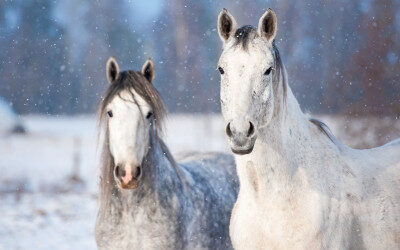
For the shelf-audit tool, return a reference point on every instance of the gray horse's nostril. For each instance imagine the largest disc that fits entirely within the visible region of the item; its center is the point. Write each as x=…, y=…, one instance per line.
x=251, y=130
x=119, y=171
x=138, y=172
x=228, y=130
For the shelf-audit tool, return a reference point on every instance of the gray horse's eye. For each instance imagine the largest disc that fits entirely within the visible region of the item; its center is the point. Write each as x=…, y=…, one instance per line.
x=149, y=115
x=221, y=70
x=268, y=71
x=110, y=114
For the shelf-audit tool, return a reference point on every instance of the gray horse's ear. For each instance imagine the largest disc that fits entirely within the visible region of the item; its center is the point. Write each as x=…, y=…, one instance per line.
x=267, y=25
x=112, y=70
x=226, y=25
x=148, y=70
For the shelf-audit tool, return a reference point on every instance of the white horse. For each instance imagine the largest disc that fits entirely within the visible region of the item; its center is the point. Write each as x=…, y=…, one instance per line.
x=147, y=200
x=300, y=188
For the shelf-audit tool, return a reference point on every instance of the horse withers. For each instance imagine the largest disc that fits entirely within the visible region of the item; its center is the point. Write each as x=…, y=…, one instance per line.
x=300, y=188
x=147, y=199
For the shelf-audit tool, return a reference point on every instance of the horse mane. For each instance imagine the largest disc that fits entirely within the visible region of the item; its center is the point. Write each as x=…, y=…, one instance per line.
x=128, y=80
x=174, y=164
x=280, y=71
x=325, y=130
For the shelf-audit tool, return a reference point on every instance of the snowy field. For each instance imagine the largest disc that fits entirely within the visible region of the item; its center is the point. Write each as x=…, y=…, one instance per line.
x=48, y=180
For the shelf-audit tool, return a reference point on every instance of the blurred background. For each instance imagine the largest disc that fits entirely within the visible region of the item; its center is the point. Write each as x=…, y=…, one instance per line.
x=342, y=58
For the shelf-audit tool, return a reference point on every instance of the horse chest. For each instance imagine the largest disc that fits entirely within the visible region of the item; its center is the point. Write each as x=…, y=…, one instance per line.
x=276, y=222
x=138, y=229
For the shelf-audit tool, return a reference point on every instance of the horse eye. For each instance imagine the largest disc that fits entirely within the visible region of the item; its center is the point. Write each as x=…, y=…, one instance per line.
x=268, y=71
x=221, y=70
x=110, y=114
x=149, y=115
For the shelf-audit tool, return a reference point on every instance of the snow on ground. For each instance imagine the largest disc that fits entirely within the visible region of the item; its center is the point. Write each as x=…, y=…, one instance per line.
x=43, y=220
x=48, y=180
x=41, y=205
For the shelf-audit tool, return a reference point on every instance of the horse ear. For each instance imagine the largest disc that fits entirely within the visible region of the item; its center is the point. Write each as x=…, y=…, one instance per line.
x=112, y=70
x=226, y=25
x=267, y=25
x=148, y=70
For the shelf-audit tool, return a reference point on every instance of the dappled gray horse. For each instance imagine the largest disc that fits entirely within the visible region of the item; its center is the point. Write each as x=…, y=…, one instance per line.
x=147, y=200
x=300, y=188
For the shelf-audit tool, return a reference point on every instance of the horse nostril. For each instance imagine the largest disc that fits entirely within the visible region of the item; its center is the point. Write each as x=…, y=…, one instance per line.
x=251, y=130
x=228, y=130
x=117, y=171
x=138, y=172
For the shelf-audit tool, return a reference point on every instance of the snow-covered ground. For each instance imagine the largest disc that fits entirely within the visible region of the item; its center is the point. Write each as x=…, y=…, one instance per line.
x=48, y=180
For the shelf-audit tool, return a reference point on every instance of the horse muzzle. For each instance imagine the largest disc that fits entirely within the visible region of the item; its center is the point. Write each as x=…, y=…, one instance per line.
x=241, y=141
x=127, y=177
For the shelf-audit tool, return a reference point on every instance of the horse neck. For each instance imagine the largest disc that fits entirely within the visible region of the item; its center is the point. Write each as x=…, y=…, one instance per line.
x=278, y=142
x=288, y=124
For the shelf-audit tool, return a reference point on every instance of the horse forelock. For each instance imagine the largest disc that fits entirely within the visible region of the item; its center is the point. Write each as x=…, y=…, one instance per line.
x=244, y=35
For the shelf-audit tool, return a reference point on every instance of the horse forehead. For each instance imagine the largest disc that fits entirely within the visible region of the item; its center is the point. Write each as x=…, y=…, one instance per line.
x=252, y=57
x=126, y=100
